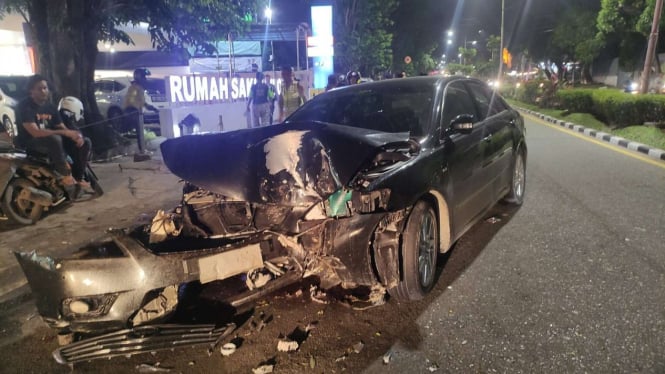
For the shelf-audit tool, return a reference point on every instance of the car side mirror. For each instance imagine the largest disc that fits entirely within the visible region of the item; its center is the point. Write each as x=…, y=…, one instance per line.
x=462, y=123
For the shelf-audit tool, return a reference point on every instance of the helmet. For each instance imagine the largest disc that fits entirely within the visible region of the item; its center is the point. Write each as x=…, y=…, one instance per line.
x=69, y=107
x=141, y=73
x=353, y=77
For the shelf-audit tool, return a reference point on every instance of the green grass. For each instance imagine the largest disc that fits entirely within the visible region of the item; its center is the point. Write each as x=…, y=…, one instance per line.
x=648, y=135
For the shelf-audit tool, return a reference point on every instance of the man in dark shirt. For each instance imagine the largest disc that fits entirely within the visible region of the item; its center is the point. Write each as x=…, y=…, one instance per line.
x=40, y=128
x=258, y=98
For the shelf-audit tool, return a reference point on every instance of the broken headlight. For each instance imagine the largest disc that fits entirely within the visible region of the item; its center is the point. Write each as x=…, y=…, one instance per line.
x=88, y=306
x=392, y=157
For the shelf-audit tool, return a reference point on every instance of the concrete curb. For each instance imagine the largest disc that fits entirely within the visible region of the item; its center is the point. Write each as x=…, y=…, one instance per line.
x=651, y=152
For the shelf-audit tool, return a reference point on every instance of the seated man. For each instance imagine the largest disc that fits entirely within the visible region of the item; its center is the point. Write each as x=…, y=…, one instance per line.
x=41, y=129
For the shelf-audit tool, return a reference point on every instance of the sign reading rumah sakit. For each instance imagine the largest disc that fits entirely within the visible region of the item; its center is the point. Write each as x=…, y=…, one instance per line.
x=208, y=89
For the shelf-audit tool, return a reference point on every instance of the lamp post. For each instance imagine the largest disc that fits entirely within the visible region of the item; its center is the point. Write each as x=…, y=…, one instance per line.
x=503, y=6
x=268, y=14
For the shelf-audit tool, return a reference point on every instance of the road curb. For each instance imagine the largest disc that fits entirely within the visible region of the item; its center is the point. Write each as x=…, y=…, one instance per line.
x=651, y=152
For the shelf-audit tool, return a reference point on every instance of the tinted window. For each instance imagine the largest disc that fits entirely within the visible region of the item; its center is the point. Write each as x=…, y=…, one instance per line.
x=489, y=103
x=385, y=107
x=108, y=86
x=456, y=101
x=14, y=86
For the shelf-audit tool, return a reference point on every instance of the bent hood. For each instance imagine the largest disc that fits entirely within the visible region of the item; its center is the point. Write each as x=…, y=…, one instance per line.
x=287, y=164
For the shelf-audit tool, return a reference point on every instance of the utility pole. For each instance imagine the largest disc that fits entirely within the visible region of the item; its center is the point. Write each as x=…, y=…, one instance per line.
x=503, y=6
x=651, y=48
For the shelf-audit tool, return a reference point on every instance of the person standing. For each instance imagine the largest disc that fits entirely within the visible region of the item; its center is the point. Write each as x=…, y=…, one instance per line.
x=332, y=82
x=291, y=94
x=272, y=96
x=133, y=106
x=41, y=129
x=260, y=104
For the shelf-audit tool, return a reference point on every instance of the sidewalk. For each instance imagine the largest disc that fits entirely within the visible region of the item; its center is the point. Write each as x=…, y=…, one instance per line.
x=131, y=190
x=652, y=152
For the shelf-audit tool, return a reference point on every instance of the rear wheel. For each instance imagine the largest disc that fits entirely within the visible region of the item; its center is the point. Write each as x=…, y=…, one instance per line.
x=18, y=209
x=518, y=181
x=419, y=251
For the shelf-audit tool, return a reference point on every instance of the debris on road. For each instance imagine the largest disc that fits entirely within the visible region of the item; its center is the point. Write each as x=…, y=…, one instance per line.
x=228, y=349
x=493, y=220
x=287, y=345
x=150, y=368
x=387, y=357
x=358, y=347
x=263, y=369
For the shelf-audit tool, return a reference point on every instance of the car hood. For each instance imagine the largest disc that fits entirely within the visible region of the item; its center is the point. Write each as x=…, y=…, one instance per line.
x=293, y=164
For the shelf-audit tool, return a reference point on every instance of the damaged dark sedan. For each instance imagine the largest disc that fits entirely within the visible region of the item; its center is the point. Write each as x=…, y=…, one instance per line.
x=364, y=185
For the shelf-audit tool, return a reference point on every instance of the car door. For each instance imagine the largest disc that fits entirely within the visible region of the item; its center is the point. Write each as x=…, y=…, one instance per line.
x=465, y=150
x=498, y=137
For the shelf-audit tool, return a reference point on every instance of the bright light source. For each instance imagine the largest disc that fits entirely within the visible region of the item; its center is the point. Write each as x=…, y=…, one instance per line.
x=268, y=13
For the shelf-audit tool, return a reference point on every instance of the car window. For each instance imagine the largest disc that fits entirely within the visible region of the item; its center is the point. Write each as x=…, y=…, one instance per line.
x=390, y=108
x=488, y=102
x=108, y=86
x=456, y=101
x=155, y=86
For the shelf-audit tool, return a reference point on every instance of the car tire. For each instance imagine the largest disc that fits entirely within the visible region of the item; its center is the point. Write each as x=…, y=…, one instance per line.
x=418, y=253
x=23, y=212
x=8, y=127
x=517, y=180
x=115, y=117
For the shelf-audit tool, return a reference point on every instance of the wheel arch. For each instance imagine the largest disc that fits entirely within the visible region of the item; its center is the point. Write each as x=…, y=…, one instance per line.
x=440, y=205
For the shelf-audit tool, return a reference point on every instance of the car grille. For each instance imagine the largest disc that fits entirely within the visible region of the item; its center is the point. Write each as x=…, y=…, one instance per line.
x=142, y=339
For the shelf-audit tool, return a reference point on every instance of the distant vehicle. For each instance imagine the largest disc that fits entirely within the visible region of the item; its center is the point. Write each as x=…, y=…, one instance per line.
x=7, y=105
x=12, y=90
x=110, y=94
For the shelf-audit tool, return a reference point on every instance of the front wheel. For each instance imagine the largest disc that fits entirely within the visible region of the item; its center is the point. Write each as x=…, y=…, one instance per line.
x=419, y=251
x=18, y=209
x=518, y=180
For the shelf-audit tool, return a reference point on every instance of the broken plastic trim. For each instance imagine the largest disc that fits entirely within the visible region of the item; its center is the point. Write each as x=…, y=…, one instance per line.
x=338, y=203
x=141, y=339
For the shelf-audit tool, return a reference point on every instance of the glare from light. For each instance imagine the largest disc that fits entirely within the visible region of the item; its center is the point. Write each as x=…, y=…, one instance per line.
x=268, y=14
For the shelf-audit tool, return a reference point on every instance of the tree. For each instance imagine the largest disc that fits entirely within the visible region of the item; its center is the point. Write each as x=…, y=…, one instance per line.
x=571, y=38
x=626, y=23
x=66, y=32
x=363, y=35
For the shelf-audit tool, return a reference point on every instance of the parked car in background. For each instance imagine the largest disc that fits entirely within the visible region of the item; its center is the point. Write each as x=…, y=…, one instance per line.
x=362, y=187
x=12, y=90
x=110, y=95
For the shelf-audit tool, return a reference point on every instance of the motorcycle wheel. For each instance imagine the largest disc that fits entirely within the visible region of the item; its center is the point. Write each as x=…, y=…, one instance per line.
x=21, y=211
x=91, y=177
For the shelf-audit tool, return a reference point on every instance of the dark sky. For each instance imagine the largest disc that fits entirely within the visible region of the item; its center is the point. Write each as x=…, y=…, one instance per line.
x=528, y=23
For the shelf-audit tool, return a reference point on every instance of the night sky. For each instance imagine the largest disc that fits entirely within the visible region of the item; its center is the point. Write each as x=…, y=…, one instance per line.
x=528, y=23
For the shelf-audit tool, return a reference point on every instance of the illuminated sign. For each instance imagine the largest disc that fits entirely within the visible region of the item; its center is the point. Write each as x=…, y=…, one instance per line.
x=208, y=89
x=320, y=46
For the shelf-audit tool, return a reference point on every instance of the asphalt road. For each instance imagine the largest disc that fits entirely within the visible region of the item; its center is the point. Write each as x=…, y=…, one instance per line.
x=571, y=282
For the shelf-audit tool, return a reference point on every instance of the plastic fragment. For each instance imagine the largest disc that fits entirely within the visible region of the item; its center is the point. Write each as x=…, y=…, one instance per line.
x=263, y=369
x=228, y=349
x=148, y=368
x=387, y=357
x=358, y=347
x=287, y=346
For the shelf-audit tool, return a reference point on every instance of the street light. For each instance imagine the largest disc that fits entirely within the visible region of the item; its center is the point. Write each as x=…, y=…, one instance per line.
x=268, y=15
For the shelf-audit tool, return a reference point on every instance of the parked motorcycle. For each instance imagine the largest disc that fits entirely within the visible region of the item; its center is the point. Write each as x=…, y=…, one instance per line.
x=30, y=186
x=28, y=182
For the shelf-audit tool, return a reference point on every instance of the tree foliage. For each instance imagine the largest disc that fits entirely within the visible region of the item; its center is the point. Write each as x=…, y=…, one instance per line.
x=628, y=24
x=364, y=38
x=66, y=32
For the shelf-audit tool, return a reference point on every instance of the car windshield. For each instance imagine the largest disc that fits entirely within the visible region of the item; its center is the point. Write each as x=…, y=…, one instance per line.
x=393, y=107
